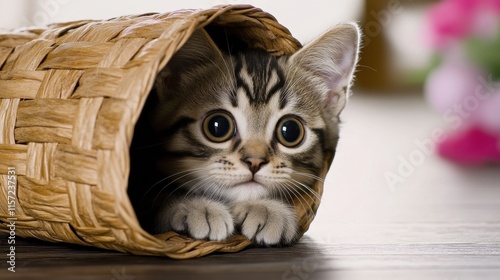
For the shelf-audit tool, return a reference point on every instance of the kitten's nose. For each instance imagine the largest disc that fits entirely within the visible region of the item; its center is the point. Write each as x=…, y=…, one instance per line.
x=254, y=164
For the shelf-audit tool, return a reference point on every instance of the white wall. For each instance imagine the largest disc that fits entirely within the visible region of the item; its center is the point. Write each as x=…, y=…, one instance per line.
x=305, y=19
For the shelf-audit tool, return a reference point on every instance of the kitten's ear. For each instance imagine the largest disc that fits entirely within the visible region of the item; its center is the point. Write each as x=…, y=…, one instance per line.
x=330, y=61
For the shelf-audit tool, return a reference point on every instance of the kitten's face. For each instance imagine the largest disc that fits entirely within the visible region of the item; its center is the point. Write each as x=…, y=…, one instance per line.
x=248, y=126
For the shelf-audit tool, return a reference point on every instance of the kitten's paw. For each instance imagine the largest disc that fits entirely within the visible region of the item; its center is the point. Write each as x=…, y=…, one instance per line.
x=268, y=222
x=201, y=218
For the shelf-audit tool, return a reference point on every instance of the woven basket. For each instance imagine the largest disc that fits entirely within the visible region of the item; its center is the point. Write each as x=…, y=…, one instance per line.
x=70, y=96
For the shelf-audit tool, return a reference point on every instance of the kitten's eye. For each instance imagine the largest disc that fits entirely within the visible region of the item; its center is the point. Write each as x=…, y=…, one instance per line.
x=290, y=131
x=219, y=127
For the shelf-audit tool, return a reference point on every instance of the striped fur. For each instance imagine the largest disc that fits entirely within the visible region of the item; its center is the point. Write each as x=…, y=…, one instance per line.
x=258, y=90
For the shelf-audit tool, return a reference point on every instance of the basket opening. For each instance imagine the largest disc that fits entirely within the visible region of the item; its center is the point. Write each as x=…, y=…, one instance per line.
x=146, y=180
x=226, y=38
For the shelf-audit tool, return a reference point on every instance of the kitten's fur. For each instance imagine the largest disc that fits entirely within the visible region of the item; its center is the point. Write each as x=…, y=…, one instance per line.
x=208, y=190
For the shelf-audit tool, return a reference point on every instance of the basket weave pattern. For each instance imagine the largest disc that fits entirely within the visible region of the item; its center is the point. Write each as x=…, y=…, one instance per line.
x=70, y=95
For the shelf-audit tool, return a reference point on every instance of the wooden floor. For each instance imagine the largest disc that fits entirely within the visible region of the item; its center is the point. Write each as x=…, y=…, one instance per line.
x=441, y=222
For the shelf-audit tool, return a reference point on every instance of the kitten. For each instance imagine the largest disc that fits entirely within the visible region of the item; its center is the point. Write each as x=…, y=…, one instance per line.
x=242, y=134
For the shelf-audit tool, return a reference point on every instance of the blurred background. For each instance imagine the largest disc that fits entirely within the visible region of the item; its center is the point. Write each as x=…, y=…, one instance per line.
x=386, y=23
x=420, y=142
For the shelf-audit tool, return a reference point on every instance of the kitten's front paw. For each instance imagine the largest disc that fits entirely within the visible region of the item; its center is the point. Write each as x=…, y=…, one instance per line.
x=201, y=218
x=268, y=222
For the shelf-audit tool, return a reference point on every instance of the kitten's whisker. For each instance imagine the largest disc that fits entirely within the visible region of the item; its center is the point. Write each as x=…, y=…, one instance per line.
x=320, y=179
x=216, y=193
x=207, y=188
x=303, y=200
x=220, y=187
x=284, y=194
x=190, y=171
x=367, y=67
x=185, y=172
x=312, y=176
x=214, y=190
x=193, y=189
x=277, y=193
x=231, y=69
x=166, y=199
x=308, y=190
x=298, y=195
x=210, y=190
x=298, y=186
x=172, y=192
x=227, y=42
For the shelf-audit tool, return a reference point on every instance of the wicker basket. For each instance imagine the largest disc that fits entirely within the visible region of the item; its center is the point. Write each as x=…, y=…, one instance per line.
x=70, y=95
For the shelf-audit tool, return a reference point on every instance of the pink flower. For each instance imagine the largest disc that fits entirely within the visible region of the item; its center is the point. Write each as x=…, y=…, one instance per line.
x=472, y=146
x=451, y=20
x=450, y=84
x=489, y=113
x=493, y=4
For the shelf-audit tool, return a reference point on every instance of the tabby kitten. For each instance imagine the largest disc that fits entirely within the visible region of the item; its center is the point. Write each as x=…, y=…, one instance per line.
x=244, y=133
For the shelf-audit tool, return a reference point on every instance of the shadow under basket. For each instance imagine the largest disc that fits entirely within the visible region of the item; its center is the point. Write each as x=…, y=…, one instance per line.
x=70, y=96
